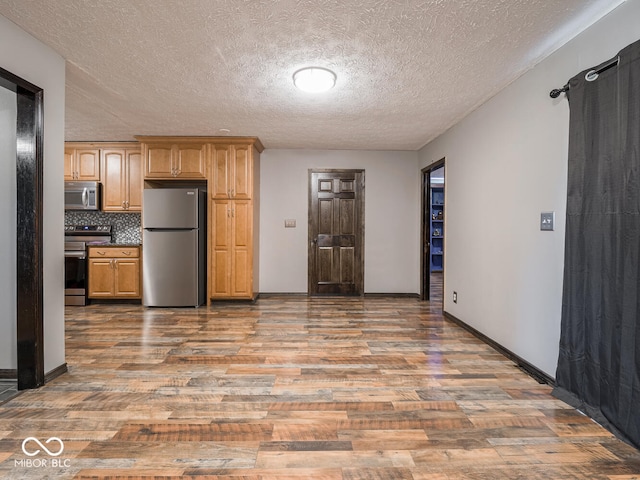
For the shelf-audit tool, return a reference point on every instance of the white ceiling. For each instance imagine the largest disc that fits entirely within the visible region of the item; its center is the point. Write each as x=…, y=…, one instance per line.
x=407, y=70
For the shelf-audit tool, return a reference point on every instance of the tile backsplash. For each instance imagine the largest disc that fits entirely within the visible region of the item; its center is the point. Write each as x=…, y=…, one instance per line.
x=126, y=226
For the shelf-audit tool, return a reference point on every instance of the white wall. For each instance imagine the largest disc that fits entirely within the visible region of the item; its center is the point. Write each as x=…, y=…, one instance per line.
x=29, y=59
x=506, y=163
x=8, y=291
x=392, y=217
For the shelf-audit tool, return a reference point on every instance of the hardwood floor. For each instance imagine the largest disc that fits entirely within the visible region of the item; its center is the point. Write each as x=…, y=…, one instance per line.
x=8, y=389
x=296, y=388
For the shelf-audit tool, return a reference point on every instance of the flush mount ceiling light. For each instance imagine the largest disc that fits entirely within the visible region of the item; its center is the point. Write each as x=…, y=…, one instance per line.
x=314, y=79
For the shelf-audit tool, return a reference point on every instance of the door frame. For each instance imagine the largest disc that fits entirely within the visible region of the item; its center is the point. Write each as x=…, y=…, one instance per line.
x=29, y=271
x=425, y=240
x=359, y=271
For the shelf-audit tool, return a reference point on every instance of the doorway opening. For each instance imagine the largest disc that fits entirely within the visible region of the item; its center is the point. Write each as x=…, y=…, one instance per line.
x=27, y=305
x=336, y=232
x=433, y=230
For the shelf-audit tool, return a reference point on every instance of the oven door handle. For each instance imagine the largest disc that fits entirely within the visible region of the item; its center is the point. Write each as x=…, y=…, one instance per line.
x=81, y=255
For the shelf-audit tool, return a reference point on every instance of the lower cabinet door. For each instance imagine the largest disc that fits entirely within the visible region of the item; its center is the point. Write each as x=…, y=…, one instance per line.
x=232, y=249
x=127, y=278
x=101, y=282
x=114, y=278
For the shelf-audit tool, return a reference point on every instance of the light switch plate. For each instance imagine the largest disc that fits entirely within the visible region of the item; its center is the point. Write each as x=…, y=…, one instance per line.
x=290, y=223
x=547, y=220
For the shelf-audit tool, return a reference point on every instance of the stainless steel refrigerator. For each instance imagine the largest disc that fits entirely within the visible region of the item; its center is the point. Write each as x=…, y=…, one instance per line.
x=173, y=247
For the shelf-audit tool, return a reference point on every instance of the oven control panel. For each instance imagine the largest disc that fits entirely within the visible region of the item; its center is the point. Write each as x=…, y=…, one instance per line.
x=89, y=229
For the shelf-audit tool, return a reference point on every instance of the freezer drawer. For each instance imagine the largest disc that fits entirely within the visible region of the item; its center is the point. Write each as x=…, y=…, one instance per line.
x=172, y=275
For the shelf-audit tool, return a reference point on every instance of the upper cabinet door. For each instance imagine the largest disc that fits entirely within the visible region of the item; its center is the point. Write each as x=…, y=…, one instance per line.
x=69, y=170
x=121, y=180
x=231, y=175
x=114, y=195
x=241, y=180
x=220, y=172
x=134, y=163
x=82, y=163
x=158, y=161
x=190, y=161
x=88, y=164
x=167, y=161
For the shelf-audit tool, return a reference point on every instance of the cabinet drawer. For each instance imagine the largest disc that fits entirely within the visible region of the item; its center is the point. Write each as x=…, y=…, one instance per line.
x=114, y=252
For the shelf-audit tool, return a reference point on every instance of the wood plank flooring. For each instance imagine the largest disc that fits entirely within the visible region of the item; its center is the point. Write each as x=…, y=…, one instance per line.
x=294, y=388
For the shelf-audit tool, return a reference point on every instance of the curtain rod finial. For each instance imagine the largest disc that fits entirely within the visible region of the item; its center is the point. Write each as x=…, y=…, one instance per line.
x=555, y=93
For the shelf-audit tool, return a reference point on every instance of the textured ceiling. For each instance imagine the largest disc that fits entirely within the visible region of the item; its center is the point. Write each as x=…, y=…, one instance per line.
x=407, y=70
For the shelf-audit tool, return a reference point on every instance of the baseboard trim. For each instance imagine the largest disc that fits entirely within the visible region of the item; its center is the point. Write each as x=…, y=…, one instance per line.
x=392, y=295
x=282, y=294
x=55, y=373
x=114, y=301
x=12, y=374
x=233, y=301
x=367, y=295
x=531, y=370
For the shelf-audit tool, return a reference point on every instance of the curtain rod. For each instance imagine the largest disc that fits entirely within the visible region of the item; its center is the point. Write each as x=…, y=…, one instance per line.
x=590, y=76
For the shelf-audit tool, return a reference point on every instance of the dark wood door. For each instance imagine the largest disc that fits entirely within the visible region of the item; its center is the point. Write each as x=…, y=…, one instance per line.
x=426, y=235
x=336, y=232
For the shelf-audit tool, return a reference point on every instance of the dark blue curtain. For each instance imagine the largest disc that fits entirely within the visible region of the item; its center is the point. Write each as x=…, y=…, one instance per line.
x=599, y=363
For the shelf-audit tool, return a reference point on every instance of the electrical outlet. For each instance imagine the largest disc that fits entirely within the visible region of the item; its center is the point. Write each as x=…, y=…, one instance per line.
x=455, y=297
x=290, y=223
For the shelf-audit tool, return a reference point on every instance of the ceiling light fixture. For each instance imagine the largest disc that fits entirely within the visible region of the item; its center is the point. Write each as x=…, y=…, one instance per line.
x=314, y=79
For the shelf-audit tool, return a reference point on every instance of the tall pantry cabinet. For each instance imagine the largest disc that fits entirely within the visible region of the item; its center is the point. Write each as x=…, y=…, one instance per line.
x=234, y=220
x=231, y=167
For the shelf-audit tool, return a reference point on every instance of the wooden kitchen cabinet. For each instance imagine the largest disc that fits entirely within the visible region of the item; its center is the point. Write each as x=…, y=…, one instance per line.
x=166, y=159
x=122, y=178
x=232, y=249
x=232, y=172
x=231, y=168
x=81, y=162
x=114, y=272
x=234, y=220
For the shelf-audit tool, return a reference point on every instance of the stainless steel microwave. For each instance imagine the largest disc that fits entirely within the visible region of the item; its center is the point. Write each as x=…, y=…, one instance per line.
x=81, y=195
